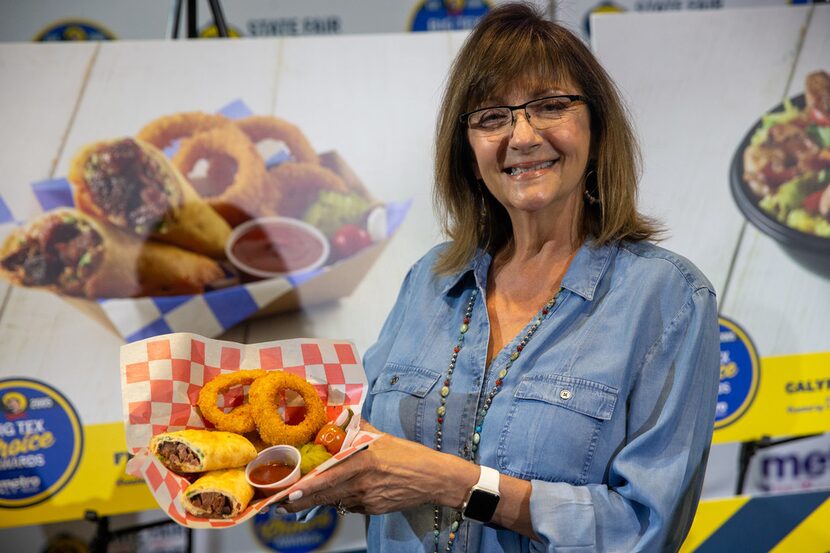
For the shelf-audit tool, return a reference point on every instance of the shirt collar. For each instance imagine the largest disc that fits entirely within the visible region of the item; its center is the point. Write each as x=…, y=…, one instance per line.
x=587, y=268
x=478, y=266
x=582, y=278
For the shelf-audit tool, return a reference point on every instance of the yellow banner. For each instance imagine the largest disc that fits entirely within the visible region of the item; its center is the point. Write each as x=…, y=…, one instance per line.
x=100, y=484
x=735, y=524
x=793, y=399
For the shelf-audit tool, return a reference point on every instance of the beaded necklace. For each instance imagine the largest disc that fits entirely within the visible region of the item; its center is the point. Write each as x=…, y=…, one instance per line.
x=445, y=392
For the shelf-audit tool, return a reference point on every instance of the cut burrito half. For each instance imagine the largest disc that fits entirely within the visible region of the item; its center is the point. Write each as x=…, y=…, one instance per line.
x=134, y=186
x=193, y=450
x=218, y=494
x=69, y=252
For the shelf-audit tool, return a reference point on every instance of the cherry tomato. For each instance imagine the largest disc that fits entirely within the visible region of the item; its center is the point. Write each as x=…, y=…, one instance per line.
x=811, y=202
x=820, y=117
x=349, y=240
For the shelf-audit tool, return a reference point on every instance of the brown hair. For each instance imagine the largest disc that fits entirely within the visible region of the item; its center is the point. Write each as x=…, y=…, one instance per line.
x=514, y=45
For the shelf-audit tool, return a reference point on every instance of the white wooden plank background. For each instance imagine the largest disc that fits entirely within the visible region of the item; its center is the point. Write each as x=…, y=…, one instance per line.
x=694, y=83
x=376, y=107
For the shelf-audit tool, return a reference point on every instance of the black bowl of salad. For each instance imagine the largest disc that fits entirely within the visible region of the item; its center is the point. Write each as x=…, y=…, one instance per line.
x=780, y=176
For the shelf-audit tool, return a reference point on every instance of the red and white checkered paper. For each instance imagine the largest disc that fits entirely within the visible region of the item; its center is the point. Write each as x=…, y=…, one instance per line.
x=160, y=382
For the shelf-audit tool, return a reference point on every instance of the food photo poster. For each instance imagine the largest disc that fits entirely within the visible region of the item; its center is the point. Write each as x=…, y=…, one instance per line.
x=92, y=174
x=731, y=112
x=326, y=143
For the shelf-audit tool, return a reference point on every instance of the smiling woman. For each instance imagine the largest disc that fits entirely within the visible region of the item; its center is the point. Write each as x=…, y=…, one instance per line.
x=532, y=378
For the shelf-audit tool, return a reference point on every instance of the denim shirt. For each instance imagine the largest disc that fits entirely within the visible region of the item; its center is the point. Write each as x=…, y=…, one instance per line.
x=608, y=412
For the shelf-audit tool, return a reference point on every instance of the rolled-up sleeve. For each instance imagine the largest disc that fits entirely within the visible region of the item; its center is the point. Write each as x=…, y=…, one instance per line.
x=654, y=481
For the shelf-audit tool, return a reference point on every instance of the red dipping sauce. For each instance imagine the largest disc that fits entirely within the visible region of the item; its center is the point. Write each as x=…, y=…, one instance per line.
x=269, y=473
x=274, y=246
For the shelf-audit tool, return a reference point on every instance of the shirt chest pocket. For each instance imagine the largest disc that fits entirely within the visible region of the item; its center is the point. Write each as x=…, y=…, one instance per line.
x=398, y=401
x=552, y=427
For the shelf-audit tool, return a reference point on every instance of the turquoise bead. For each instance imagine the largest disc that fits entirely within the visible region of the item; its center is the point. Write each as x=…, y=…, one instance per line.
x=454, y=525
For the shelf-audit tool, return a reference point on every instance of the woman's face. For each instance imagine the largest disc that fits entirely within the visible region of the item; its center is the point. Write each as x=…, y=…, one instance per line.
x=531, y=171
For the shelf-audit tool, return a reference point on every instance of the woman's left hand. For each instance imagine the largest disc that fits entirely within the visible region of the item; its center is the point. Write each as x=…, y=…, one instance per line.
x=391, y=475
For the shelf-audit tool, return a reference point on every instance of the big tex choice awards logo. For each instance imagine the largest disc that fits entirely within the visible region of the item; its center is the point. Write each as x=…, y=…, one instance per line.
x=281, y=533
x=40, y=442
x=740, y=373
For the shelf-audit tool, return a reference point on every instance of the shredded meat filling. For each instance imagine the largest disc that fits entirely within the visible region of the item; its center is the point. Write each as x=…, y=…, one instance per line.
x=128, y=185
x=215, y=504
x=176, y=455
x=62, y=251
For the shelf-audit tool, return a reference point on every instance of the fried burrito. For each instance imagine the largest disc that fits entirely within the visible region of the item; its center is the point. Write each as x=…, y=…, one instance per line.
x=132, y=185
x=218, y=494
x=187, y=451
x=70, y=252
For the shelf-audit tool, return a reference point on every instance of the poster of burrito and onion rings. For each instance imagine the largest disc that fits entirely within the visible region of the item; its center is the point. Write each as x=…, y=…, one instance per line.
x=195, y=203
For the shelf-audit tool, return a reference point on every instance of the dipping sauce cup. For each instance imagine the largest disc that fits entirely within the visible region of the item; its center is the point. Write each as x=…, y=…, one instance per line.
x=275, y=468
x=270, y=247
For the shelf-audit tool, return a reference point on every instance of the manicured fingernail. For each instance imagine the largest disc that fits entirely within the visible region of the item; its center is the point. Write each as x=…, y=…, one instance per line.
x=280, y=511
x=295, y=495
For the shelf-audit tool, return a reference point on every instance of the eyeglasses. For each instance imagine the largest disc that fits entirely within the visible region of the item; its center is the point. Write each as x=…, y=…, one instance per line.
x=542, y=113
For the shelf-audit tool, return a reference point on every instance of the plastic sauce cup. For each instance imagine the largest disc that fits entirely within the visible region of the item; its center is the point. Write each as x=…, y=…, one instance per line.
x=285, y=454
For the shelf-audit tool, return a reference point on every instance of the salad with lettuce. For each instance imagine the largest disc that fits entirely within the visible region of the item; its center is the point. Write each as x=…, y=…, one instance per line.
x=787, y=163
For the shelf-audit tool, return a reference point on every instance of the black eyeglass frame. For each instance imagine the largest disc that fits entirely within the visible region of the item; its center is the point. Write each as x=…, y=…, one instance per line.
x=465, y=117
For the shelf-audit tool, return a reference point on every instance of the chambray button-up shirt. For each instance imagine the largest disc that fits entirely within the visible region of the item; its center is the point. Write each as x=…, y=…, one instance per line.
x=608, y=411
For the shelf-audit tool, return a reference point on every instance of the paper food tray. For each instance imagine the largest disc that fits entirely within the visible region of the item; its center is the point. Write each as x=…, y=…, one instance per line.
x=160, y=382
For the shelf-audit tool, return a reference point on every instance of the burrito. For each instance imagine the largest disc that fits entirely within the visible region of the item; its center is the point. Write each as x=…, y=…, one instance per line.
x=69, y=252
x=132, y=185
x=202, y=450
x=218, y=494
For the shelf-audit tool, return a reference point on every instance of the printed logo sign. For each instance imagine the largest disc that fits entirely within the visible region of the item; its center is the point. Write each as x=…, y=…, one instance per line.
x=40, y=442
x=740, y=373
x=283, y=534
x=74, y=30
x=447, y=15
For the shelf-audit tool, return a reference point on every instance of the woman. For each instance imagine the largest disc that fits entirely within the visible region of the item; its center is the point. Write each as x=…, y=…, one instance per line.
x=546, y=380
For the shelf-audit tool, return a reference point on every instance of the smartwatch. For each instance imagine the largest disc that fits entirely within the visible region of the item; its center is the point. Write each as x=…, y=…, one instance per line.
x=483, y=498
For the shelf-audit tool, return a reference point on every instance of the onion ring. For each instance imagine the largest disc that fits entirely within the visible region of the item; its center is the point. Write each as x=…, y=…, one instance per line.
x=300, y=184
x=263, y=127
x=250, y=194
x=239, y=419
x=273, y=429
x=163, y=131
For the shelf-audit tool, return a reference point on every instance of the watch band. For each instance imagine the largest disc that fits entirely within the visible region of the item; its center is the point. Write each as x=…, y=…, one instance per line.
x=488, y=480
x=483, y=498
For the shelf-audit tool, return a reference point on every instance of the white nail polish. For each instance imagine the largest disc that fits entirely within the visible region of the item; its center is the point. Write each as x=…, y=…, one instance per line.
x=280, y=511
x=295, y=495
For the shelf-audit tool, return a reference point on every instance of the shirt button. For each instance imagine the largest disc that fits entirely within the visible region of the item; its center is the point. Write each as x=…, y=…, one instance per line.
x=565, y=394
x=394, y=380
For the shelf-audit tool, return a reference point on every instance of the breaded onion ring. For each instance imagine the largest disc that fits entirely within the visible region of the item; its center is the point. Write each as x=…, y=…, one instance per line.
x=163, y=131
x=239, y=419
x=250, y=194
x=263, y=127
x=263, y=396
x=300, y=185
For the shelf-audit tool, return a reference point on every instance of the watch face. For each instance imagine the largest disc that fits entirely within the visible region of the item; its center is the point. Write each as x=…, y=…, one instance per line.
x=481, y=506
